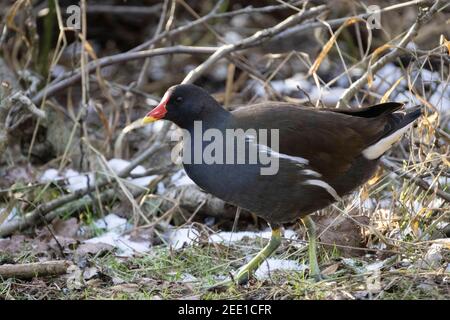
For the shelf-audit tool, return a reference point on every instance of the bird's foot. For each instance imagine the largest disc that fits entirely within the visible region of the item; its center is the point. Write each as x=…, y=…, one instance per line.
x=244, y=273
x=241, y=278
x=317, y=277
x=221, y=286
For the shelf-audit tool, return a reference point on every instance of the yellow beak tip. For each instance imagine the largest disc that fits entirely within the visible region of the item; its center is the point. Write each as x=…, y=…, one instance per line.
x=147, y=120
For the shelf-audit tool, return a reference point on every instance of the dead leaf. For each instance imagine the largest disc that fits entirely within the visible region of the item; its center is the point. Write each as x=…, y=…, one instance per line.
x=446, y=43
x=391, y=89
x=93, y=249
x=65, y=228
x=125, y=288
x=90, y=273
x=327, y=47
x=64, y=242
x=12, y=245
x=330, y=269
x=75, y=278
x=335, y=229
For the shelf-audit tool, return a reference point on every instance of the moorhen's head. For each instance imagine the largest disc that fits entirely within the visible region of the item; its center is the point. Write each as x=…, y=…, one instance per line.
x=183, y=104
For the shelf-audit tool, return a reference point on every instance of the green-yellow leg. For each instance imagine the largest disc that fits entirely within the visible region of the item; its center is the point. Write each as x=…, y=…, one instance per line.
x=314, y=270
x=244, y=273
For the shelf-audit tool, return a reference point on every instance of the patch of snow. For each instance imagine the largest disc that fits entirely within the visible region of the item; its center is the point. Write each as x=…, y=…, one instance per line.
x=220, y=72
x=375, y=266
x=143, y=181
x=180, y=178
x=232, y=37
x=240, y=21
x=112, y=222
x=270, y=265
x=433, y=257
x=406, y=97
x=160, y=188
x=49, y=175
x=180, y=237
x=427, y=76
x=441, y=98
x=77, y=181
x=370, y=203
x=114, y=227
x=386, y=77
x=11, y=216
x=57, y=70
x=327, y=96
x=285, y=86
x=118, y=165
x=154, y=127
x=354, y=265
x=125, y=247
x=187, y=277
x=156, y=70
x=226, y=236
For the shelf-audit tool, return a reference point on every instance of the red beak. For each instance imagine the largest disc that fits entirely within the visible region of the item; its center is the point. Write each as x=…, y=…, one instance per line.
x=157, y=113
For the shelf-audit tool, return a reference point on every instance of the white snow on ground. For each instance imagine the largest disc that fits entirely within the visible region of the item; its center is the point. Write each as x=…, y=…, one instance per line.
x=114, y=227
x=11, y=216
x=327, y=96
x=118, y=165
x=180, y=237
x=271, y=265
x=225, y=236
x=441, y=98
x=180, y=178
x=77, y=180
x=386, y=77
x=285, y=86
x=49, y=175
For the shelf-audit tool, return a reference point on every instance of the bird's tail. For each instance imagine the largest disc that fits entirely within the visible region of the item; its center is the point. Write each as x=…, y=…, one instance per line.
x=398, y=124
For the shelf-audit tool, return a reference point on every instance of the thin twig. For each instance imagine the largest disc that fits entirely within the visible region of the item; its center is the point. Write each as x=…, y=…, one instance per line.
x=412, y=32
x=252, y=41
x=116, y=59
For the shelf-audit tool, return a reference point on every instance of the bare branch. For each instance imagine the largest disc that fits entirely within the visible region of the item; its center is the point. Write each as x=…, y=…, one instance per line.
x=115, y=59
x=256, y=39
x=31, y=270
x=412, y=32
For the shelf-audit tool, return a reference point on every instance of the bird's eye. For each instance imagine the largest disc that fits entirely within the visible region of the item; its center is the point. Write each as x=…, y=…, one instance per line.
x=179, y=99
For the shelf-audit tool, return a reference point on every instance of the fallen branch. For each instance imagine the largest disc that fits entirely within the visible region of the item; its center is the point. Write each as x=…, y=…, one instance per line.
x=189, y=198
x=32, y=218
x=32, y=270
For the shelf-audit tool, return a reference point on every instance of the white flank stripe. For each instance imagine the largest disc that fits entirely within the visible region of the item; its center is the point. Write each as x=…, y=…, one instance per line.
x=311, y=173
x=273, y=153
x=376, y=150
x=324, y=185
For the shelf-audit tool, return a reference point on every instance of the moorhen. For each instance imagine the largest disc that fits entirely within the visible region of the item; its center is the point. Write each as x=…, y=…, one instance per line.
x=316, y=155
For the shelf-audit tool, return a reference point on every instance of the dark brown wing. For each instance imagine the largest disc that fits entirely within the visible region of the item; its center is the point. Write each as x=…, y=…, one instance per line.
x=372, y=111
x=329, y=140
